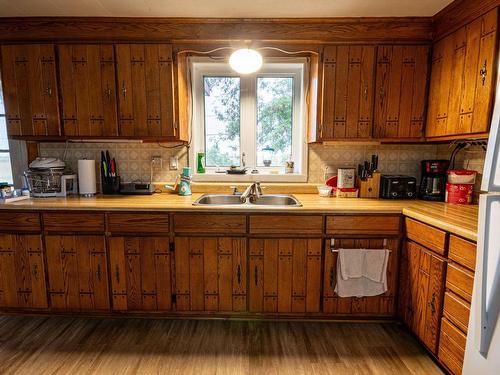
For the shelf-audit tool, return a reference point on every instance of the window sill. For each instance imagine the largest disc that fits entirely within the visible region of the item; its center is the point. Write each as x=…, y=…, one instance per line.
x=262, y=177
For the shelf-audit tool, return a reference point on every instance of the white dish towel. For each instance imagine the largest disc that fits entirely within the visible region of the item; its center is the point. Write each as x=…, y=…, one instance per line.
x=361, y=272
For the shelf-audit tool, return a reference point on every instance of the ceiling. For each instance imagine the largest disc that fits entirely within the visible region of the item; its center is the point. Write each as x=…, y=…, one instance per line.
x=221, y=8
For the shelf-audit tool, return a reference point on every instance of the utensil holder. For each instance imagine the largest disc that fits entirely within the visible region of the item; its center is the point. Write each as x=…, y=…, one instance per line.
x=110, y=185
x=370, y=188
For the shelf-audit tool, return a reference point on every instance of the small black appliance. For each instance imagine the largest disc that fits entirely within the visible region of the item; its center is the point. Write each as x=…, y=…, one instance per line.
x=433, y=183
x=398, y=187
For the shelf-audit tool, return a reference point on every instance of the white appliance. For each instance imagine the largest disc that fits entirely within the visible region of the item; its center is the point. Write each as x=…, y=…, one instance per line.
x=482, y=352
x=47, y=177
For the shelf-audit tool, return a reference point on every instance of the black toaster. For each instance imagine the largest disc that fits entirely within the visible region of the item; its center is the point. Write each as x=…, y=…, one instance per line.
x=398, y=187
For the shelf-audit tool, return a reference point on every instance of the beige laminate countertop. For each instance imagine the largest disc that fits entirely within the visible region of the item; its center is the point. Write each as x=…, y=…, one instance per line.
x=457, y=219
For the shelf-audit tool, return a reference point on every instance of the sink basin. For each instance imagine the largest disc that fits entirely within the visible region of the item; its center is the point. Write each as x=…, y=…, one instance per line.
x=277, y=200
x=217, y=200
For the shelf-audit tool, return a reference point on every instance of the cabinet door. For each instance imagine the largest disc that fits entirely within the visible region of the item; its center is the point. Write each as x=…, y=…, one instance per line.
x=77, y=272
x=348, y=81
x=376, y=305
x=145, y=91
x=22, y=275
x=140, y=273
x=88, y=95
x=400, y=92
x=284, y=275
x=408, y=283
x=210, y=273
x=30, y=90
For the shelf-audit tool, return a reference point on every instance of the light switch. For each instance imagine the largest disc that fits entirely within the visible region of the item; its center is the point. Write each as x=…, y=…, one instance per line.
x=174, y=163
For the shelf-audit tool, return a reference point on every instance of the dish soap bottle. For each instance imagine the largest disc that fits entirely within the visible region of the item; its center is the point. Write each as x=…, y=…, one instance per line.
x=200, y=159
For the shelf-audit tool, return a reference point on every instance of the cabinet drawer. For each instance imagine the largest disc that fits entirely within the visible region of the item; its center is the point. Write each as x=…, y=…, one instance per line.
x=456, y=310
x=297, y=225
x=462, y=252
x=209, y=223
x=138, y=223
x=426, y=235
x=74, y=222
x=451, y=346
x=363, y=224
x=19, y=222
x=460, y=280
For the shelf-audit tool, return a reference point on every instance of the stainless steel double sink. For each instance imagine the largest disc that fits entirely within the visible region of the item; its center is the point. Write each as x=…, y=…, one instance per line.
x=277, y=200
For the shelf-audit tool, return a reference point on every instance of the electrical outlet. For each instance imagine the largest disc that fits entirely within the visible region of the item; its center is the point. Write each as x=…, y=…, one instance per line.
x=174, y=163
x=156, y=161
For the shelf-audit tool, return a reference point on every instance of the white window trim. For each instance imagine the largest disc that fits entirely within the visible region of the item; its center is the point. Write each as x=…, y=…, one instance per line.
x=202, y=66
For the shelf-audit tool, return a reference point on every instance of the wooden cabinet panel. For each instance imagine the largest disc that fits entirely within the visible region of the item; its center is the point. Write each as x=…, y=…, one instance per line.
x=451, y=347
x=426, y=235
x=140, y=273
x=88, y=90
x=303, y=225
x=211, y=274
x=284, y=275
x=30, y=90
x=22, y=272
x=363, y=224
x=73, y=222
x=77, y=272
x=145, y=90
x=460, y=281
x=348, y=81
x=400, y=91
x=462, y=252
x=138, y=223
x=20, y=222
x=456, y=310
x=209, y=223
x=383, y=305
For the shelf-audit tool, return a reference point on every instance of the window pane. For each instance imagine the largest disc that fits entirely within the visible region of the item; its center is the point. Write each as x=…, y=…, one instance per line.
x=5, y=168
x=274, y=119
x=2, y=105
x=4, y=143
x=222, y=121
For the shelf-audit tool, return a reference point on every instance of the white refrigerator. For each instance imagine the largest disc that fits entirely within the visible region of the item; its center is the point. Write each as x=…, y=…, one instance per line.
x=482, y=352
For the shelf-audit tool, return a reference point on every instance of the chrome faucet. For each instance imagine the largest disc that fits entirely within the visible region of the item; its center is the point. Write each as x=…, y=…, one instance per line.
x=253, y=192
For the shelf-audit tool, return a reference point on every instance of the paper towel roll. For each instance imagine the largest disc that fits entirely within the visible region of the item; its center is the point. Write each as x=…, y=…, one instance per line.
x=86, y=177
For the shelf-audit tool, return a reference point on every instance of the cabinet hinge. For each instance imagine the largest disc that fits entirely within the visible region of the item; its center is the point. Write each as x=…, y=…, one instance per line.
x=172, y=247
x=174, y=298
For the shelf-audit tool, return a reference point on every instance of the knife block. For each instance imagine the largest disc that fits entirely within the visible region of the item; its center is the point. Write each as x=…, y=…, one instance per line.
x=370, y=188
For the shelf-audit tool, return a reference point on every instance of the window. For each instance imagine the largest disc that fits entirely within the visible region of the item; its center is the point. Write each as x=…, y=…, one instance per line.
x=253, y=121
x=5, y=165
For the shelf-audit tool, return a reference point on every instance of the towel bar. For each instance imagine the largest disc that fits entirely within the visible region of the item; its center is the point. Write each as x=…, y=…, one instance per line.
x=337, y=250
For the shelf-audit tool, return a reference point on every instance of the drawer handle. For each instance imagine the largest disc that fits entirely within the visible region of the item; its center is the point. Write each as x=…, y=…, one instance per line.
x=432, y=303
x=365, y=92
x=256, y=276
x=332, y=278
x=117, y=274
x=35, y=271
x=238, y=274
x=124, y=89
x=483, y=72
x=98, y=272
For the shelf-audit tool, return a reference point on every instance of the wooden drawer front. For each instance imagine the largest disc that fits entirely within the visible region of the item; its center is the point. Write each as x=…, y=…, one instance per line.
x=426, y=235
x=203, y=223
x=363, y=224
x=462, y=252
x=297, y=225
x=460, y=280
x=451, y=346
x=456, y=310
x=19, y=222
x=73, y=222
x=138, y=223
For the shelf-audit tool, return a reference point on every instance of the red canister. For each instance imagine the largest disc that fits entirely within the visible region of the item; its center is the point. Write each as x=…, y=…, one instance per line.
x=459, y=193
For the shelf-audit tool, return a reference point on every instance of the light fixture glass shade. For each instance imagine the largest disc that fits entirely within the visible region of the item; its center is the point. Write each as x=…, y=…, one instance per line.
x=245, y=61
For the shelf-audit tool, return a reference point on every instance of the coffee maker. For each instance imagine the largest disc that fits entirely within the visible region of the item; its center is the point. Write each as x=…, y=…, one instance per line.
x=433, y=182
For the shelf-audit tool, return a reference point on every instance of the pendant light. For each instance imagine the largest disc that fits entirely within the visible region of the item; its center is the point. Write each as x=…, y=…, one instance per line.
x=245, y=61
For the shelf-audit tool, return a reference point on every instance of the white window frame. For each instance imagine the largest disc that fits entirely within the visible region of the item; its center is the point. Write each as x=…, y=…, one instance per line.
x=276, y=67
x=6, y=151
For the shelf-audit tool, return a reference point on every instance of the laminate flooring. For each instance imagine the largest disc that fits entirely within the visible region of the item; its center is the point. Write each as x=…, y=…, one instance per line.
x=62, y=345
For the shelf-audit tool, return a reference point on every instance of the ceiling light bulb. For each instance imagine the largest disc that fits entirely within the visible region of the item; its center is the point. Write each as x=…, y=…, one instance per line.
x=245, y=61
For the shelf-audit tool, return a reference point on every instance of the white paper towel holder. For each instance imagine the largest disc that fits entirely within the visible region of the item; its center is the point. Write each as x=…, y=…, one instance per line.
x=86, y=178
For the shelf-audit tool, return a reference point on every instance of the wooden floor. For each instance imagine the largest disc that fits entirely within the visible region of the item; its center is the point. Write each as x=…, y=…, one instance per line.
x=34, y=345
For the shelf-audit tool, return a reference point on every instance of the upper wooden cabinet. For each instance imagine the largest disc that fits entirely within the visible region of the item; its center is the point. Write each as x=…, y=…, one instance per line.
x=348, y=82
x=88, y=95
x=30, y=90
x=461, y=89
x=400, y=91
x=145, y=90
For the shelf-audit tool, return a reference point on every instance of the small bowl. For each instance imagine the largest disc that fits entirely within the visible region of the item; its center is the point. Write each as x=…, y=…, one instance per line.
x=324, y=190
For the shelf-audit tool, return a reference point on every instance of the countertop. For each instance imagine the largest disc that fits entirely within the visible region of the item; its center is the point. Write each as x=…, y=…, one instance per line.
x=457, y=219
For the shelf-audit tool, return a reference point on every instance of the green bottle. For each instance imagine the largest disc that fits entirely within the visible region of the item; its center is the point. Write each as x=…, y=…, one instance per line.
x=200, y=167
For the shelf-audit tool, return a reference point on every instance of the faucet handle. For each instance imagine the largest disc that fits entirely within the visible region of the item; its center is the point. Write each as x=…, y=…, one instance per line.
x=235, y=190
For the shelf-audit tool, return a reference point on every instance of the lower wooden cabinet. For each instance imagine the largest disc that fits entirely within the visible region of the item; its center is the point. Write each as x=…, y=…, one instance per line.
x=211, y=274
x=77, y=272
x=383, y=305
x=421, y=292
x=140, y=270
x=284, y=275
x=22, y=272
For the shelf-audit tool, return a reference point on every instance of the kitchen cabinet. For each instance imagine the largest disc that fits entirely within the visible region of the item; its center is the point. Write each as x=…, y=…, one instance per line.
x=140, y=272
x=88, y=94
x=145, y=90
x=421, y=292
x=30, y=90
x=462, y=78
x=211, y=274
x=284, y=275
x=383, y=305
x=22, y=272
x=400, y=91
x=77, y=272
x=348, y=83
